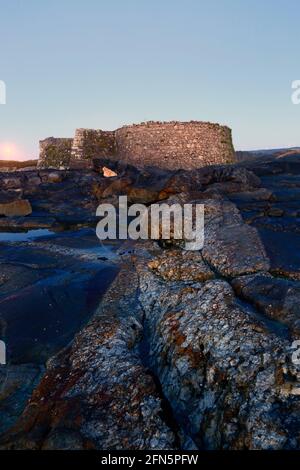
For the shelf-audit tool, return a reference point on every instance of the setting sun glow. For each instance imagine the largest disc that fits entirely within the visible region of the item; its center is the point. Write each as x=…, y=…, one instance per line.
x=9, y=151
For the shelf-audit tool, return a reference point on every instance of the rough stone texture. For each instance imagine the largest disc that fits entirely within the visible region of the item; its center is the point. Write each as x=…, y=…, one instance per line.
x=168, y=145
x=16, y=208
x=11, y=182
x=16, y=384
x=97, y=394
x=187, y=350
x=242, y=178
x=175, y=145
x=232, y=247
x=277, y=298
x=90, y=143
x=227, y=377
x=54, y=177
x=55, y=152
x=56, y=198
x=177, y=265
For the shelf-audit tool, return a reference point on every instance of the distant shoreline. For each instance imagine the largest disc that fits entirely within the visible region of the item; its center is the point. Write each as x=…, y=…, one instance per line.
x=13, y=164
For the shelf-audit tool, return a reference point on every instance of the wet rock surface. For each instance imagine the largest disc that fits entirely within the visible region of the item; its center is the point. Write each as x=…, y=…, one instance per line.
x=180, y=349
x=49, y=288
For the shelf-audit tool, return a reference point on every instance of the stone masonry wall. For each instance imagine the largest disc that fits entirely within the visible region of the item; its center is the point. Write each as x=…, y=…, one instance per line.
x=55, y=152
x=175, y=145
x=91, y=143
x=169, y=145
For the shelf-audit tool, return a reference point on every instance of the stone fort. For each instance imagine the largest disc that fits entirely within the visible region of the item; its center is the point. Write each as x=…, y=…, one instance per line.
x=168, y=145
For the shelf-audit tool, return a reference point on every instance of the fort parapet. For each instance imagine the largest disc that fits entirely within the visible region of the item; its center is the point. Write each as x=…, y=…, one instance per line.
x=168, y=145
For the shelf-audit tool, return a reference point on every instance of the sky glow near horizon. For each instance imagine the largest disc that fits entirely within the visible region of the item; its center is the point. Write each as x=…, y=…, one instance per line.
x=102, y=64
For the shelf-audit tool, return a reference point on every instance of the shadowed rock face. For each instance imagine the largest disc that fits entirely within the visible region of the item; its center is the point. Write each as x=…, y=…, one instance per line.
x=189, y=350
x=275, y=297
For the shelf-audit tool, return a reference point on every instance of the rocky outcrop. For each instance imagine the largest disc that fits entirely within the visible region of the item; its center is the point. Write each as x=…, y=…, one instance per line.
x=97, y=394
x=178, y=265
x=18, y=208
x=232, y=247
x=222, y=348
x=226, y=374
x=17, y=383
x=186, y=350
x=108, y=173
x=274, y=297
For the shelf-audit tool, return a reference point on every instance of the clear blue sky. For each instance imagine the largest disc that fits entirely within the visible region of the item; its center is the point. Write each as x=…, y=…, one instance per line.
x=104, y=63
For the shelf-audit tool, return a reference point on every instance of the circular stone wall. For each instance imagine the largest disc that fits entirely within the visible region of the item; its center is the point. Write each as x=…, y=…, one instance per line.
x=175, y=145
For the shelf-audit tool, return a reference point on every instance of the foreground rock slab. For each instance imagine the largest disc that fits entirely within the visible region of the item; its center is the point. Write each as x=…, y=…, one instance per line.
x=97, y=394
x=227, y=375
x=231, y=246
x=21, y=207
x=189, y=350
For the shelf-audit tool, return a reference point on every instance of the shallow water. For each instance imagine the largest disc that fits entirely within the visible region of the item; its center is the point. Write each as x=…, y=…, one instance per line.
x=52, y=282
x=24, y=236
